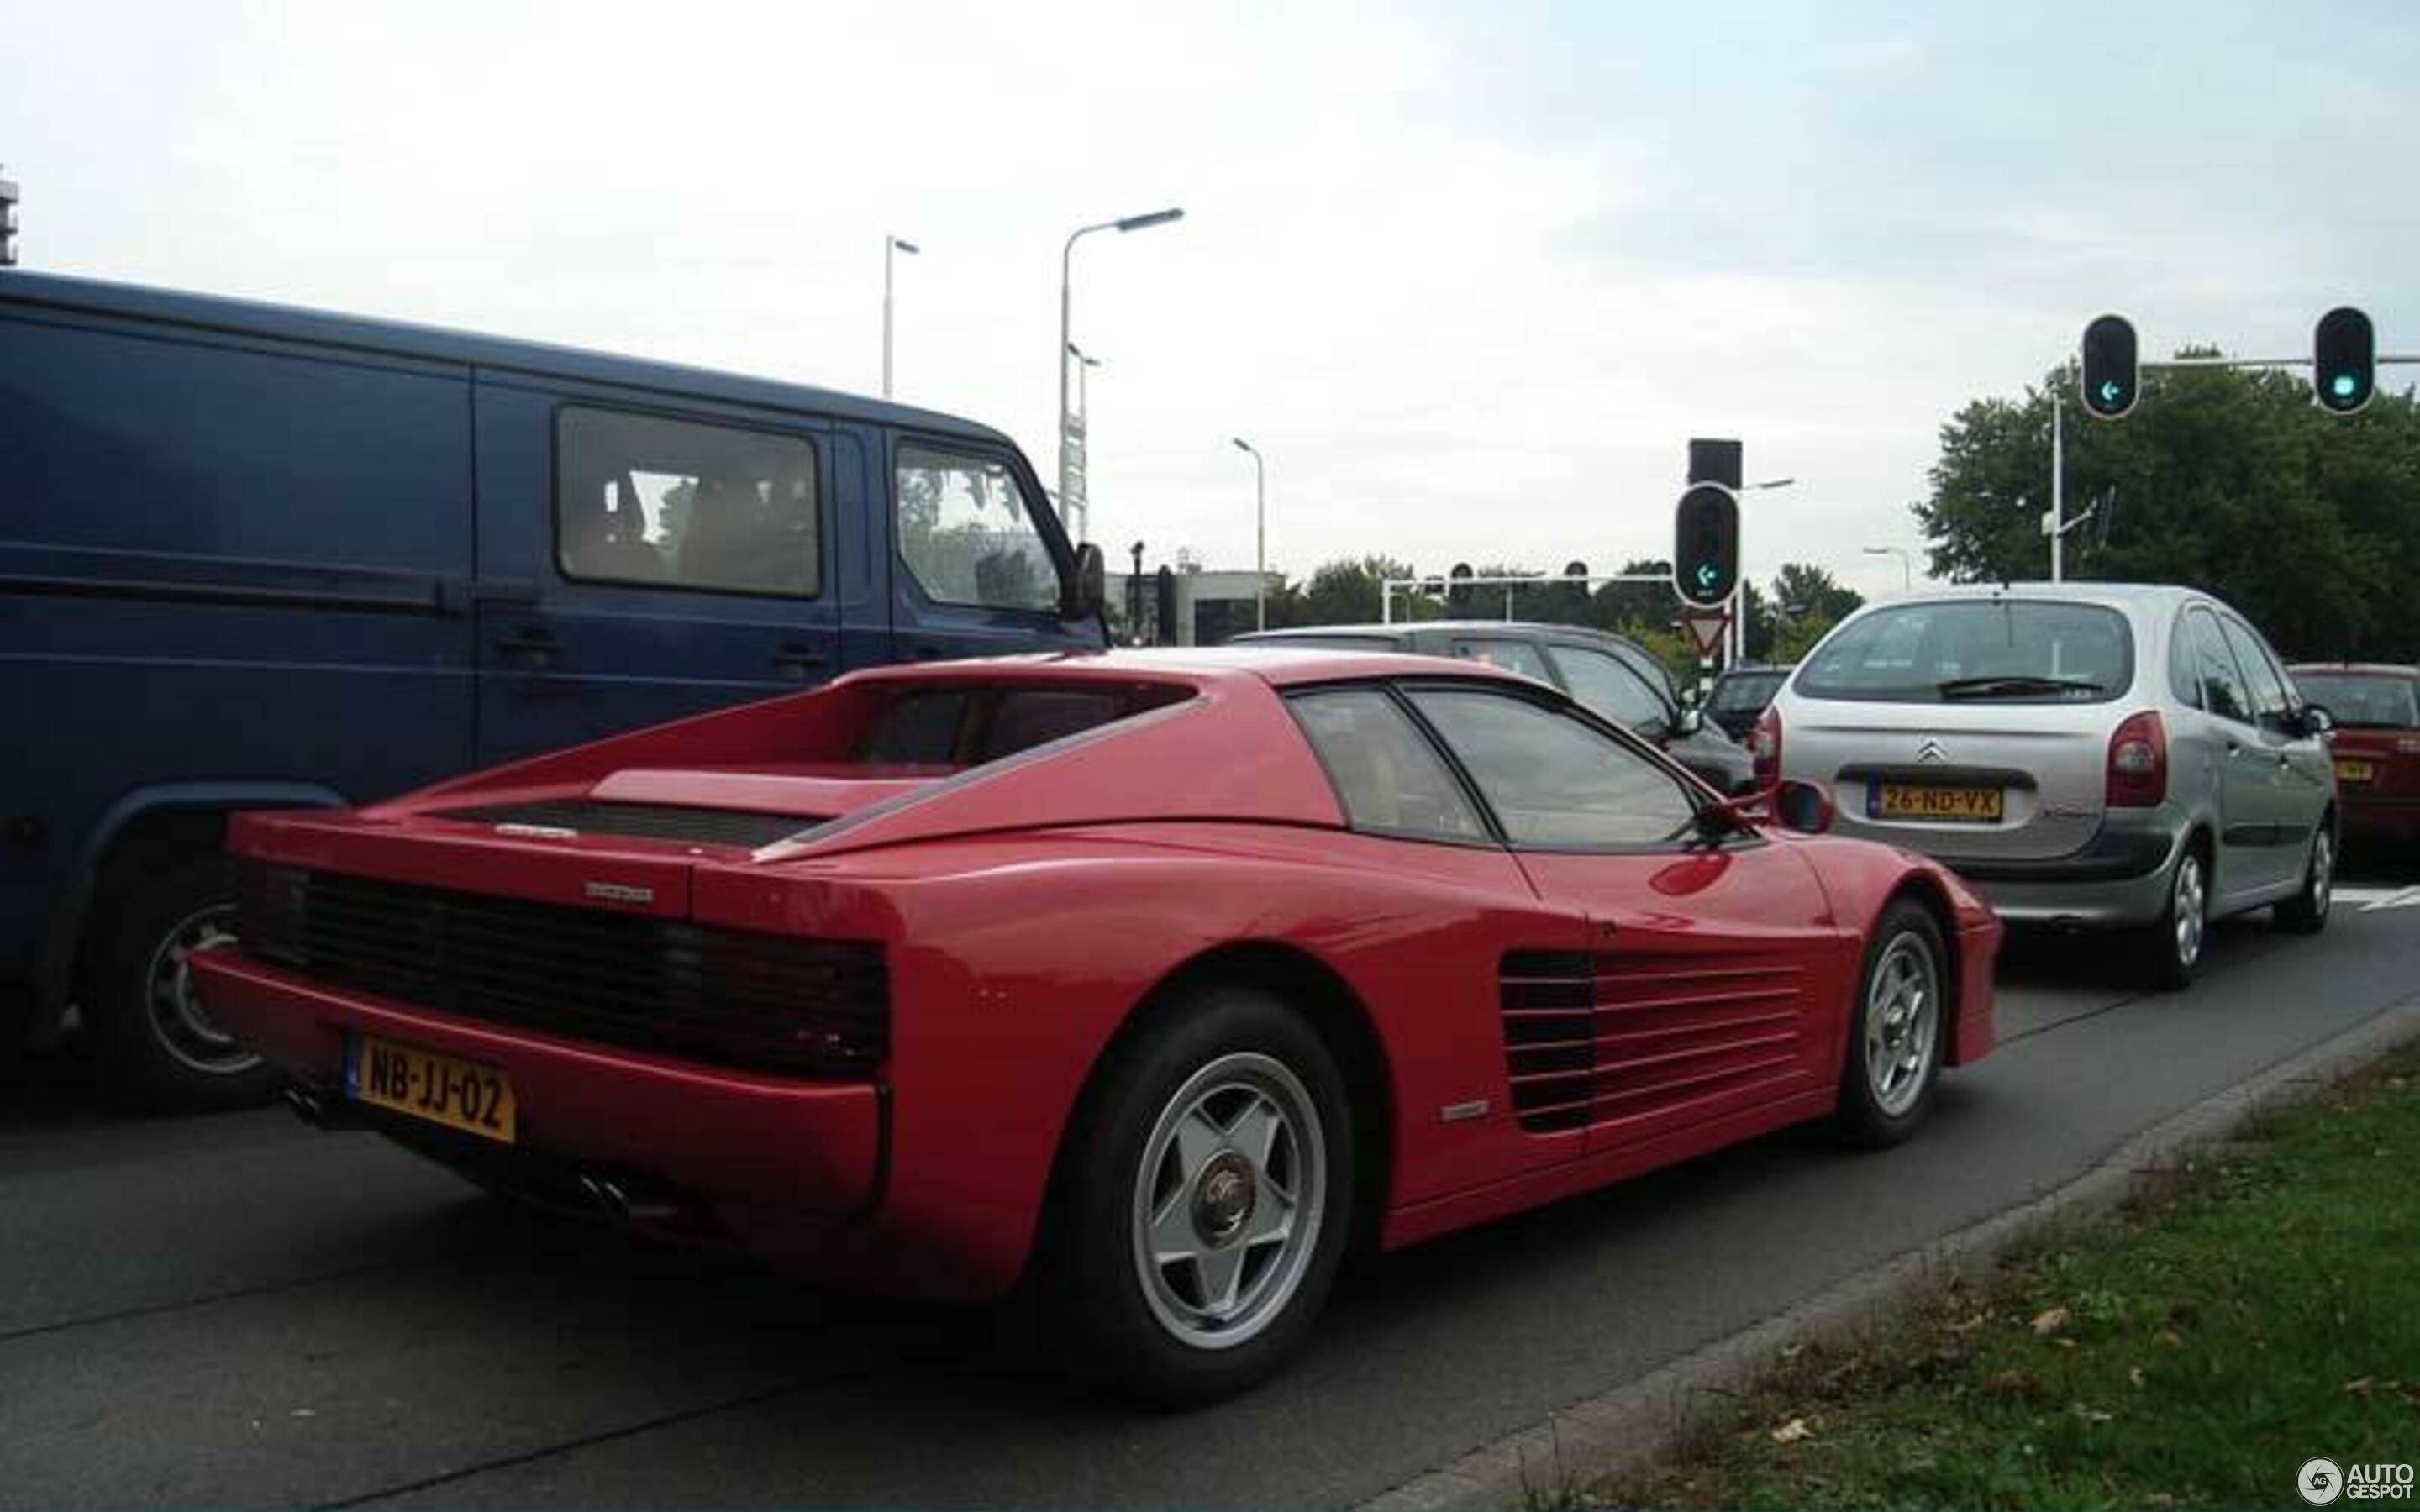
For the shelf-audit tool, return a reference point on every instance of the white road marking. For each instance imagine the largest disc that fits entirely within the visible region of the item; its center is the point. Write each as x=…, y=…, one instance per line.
x=2378, y=900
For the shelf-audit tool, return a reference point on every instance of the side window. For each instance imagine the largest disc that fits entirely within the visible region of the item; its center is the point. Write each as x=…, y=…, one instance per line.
x=966, y=531
x=1513, y=655
x=2184, y=664
x=2270, y=702
x=2222, y=690
x=1612, y=690
x=639, y=499
x=1553, y=780
x=1386, y=774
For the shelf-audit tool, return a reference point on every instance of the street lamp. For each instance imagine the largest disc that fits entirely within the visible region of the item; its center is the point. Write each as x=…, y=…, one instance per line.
x=1072, y=506
x=1906, y=571
x=890, y=245
x=1260, y=534
x=1737, y=649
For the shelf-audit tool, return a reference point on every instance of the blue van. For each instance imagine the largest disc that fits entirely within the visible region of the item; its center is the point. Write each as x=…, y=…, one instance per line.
x=260, y=556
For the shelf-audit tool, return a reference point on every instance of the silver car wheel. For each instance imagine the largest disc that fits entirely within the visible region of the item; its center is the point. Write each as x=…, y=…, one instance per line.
x=1903, y=1024
x=2323, y=873
x=1228, y=1200
x=183, y=1028
x=2189, y=902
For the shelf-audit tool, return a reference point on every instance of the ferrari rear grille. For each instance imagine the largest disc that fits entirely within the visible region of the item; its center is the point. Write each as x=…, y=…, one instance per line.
x=745, y=829
x=1596, y=1039
x=722, y=997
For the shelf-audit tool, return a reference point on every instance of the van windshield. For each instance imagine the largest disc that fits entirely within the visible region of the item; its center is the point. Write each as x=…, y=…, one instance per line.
x=2006, y=651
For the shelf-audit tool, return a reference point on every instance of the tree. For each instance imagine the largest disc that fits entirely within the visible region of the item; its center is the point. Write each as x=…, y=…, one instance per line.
x=1346, y=591
x=2224, y=480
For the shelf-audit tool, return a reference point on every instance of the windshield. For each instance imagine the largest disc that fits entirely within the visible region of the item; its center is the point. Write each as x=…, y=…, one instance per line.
x=2006, y=650
x=2363, y=699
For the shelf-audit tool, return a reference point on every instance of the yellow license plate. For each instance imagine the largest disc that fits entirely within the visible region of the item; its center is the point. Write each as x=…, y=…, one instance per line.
x=1899, y=800
x=460, y=1094
x=2357, y=772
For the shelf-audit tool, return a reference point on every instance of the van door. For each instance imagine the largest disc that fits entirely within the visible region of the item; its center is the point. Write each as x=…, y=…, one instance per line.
x=640, y=561
x=978, y=562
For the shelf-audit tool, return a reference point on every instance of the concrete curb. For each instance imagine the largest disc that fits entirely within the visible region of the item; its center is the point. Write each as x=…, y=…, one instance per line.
x=1619, y=1430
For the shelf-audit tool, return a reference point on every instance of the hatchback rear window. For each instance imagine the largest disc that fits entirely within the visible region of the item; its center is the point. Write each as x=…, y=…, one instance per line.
x=2362, y=699
x=2003, y=650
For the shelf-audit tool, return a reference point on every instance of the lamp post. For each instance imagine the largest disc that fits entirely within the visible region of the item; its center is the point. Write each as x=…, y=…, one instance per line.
x=1260, y=534
x=1075, y=510
x=1737, y=651
x=1906, y=570
x=890, y=245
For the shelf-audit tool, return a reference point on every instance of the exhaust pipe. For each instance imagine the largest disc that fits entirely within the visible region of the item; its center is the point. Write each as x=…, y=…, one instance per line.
x=626, y=1201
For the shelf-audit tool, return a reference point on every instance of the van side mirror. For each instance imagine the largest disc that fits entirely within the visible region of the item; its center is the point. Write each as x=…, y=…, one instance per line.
x=1088, y=595
x=1687, y=722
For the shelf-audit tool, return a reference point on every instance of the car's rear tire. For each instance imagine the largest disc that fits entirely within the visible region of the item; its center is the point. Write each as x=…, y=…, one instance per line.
x=1897, y=1031
x=1204, y=1200
x=2306, y=911
x=2169, y=948
x=156, y=1049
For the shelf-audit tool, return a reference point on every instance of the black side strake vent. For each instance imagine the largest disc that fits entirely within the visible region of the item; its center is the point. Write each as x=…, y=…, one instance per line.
x=745, y=829
x=1549, y=1001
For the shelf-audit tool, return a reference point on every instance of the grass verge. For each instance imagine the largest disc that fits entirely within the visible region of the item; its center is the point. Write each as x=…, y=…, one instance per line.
x=2256, y=1309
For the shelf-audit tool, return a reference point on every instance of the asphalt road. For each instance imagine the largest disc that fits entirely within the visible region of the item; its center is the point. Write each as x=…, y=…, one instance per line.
x=236, y=1311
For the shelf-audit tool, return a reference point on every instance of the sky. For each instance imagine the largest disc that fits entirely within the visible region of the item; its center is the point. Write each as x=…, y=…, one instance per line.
x=1469, y=276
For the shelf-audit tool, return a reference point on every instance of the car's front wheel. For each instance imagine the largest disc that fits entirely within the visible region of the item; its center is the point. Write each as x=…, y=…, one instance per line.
x=1205, y=1198
x=1895, y=1035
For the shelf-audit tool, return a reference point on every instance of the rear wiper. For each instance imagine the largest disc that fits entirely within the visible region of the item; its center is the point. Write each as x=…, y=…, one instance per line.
x=2018, y=686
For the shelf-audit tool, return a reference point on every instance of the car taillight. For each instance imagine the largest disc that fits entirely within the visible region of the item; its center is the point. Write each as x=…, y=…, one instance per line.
x=2139, y=762
x=1764, y=744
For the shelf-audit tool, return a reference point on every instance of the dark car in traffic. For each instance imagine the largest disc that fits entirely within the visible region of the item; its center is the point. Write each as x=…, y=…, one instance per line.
x=1740, y=694
x=1613, y=675
x=2376, y=744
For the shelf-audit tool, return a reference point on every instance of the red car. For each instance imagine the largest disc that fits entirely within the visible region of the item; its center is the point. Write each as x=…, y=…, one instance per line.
x=1155, y=979
x=2376, y=744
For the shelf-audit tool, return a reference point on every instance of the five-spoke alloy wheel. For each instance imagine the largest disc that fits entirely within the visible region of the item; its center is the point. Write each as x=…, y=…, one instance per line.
x=1203, y=1198
x=1897, y=1039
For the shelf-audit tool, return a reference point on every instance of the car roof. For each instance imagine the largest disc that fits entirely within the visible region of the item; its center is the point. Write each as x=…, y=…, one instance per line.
x=1276, y=666
x=1405, y=627
x=2114, y=595
x=2364, y=669
x=399, y=338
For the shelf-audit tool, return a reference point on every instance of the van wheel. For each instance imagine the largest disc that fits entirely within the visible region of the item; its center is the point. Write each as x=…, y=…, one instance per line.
x=158, y=1049
x=1895, y=1037
x=2306, y=911
x=2170, y=948
x=1207, y=1201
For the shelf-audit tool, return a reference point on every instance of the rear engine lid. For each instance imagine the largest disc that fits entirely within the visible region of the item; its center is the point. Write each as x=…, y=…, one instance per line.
x=733, y=809
x=616, y=878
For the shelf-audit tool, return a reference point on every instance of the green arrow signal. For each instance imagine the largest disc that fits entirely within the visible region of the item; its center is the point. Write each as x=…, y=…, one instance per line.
x=1708, y=575
x=2110, y=391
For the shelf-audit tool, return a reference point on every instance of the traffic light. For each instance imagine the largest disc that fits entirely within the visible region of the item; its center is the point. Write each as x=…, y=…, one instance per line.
x=2112, y=380
x=1705, y=546
x=1575, y=588
x=8, y=223
x=2344, y=360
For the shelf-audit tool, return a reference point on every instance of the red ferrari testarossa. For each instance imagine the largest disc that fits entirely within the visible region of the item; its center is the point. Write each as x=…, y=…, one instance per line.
x=1154, y=979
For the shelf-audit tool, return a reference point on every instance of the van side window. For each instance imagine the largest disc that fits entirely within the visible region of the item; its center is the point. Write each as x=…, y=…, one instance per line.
x=639, y=499
x=966, y=531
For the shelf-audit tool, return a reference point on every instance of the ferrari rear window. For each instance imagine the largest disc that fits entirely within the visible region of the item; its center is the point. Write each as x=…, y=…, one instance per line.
x=962, y=725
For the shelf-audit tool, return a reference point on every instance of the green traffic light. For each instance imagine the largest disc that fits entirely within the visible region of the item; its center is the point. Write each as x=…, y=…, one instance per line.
x=2344, y=385
x=1708, y=575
